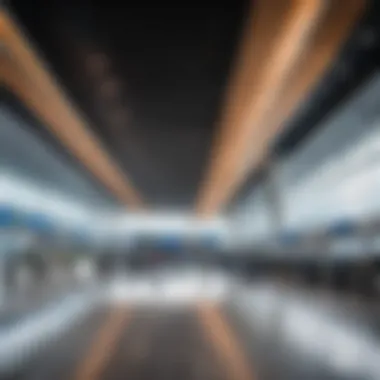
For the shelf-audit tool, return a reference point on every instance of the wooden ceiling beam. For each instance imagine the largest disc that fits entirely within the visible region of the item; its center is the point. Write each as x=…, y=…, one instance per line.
x=276, y=35
x=331, y=34
x=23, y=71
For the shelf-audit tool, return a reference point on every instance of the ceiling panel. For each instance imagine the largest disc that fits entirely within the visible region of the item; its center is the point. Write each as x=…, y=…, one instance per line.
x=149, y=78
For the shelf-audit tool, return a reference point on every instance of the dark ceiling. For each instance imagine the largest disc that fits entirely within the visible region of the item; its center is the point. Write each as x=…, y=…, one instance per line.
x=150, y=80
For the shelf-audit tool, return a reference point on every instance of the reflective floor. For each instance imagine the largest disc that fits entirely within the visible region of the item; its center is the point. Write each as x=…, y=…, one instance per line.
x=130, y=343
x=256, y=332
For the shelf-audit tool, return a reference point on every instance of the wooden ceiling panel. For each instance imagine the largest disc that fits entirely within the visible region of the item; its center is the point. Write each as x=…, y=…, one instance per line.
x=272, y=44
x=29, y=79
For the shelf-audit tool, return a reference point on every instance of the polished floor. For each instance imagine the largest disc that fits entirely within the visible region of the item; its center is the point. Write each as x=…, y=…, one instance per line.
x=143, y=343
x=189, y=342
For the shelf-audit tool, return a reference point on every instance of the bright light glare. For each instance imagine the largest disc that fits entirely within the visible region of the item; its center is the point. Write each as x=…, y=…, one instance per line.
x=26, y=196
x=161, y=288
x=352, y=180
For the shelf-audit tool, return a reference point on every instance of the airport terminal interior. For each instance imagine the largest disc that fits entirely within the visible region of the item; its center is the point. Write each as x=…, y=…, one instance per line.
x=190, y=190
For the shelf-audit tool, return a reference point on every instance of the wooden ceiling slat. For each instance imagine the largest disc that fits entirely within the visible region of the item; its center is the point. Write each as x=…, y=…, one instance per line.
x=26, y=75
x=331, y=33
x=268, y=54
